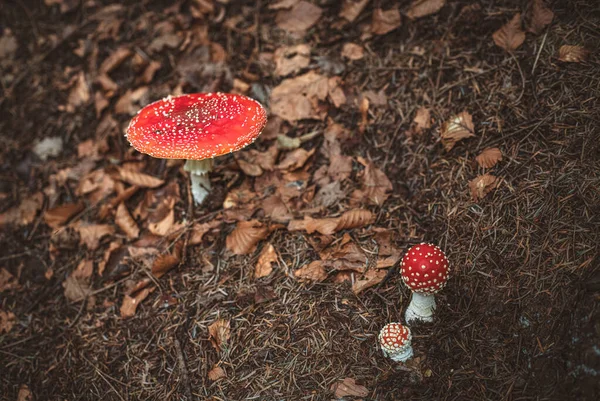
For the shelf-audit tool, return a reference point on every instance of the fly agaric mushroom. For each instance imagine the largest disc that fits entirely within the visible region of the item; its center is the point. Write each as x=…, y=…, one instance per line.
x=395, y=342
x=425, y=271
x=197, y=127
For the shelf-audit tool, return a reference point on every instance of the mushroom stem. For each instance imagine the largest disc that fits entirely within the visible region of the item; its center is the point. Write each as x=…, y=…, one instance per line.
x=199, y=170
x=421, y=307
x=401, y=355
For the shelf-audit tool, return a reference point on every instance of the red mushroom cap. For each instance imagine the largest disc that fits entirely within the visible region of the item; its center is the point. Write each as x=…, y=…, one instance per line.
x=196, y=126
x=425, y=268
x=394, y=337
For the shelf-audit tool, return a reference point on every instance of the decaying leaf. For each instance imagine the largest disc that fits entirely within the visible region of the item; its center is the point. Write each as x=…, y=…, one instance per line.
x=76, y=285
x=291, y=59
x=348, y=388
x=573, y=54
x=198, y=231
x=79, y=95
x=7, y=321
x=91, y=234
x=59, y=215
x=7, y=281
x=24, y=213
x=267, y=257
x=458, y=127
x=115, y=59
x=351, y=9
x=164, y=226
x=375, y=186
x=132, y=301
x=489, y=157
x=352, y=51
x=314, y=271
x=482, y=185
x=300, y=17
x=510, y=36
x=245, y=236
x=125, y=222
x=355, y=218
x=295, y=159
x=297, y=98
x=219, y=333
x=371, y=278
x=325, y=226
x=423, y=8
x=163, y=263
x=24, y=392
x=276, y=209
x=216, y=373
x=422, y=120
x=139, y=179
x=539, y=17
x=385, y=21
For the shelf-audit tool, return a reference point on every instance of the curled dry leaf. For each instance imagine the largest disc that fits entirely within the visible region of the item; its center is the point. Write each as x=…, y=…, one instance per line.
x=7, y=321
x=352, y=51
x=139, y=179
x=115, y=59
x=300, y=17
x=291, y=59
x=76, y=285
x=216, y=373
x=385, y=21
x=267, y=257
x=354, y=219
x=91, y=234
x=351, y=9
x=219, y=333
x=489, y=157
x=250, y=169
x=539, y=17
x=163, y=263
x=125, y=222
x=458, y=127
x=24, y=392
x=164, y=226
x=422, y=120
x=422, y=8
x=375, y=186
x=198, y=231
x=245, y=236
x=371, y=278
x=59, y=215
x=131, y=301
x=295, y=159
x=573, y=54
x=482, y=185
x=314, y=271
x=79, y=95
x=275, y=209
x=24, y=213
x=510, y=36
x=297, y=98
x=323, y=226
x=348, y=388
x=7, y=281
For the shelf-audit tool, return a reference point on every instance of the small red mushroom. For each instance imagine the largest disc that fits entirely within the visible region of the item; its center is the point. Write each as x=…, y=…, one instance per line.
x=395, y=342
x=425, y=271
x=197, y=127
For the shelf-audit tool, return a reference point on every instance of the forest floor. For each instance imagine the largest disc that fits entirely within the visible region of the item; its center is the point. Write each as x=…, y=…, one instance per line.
x=474, y=125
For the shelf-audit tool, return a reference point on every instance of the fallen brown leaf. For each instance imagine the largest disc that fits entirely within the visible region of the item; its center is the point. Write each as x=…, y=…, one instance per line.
x=348, y=388
x=76, y=285
x=24, y=213
x=7, y=321
x=351, y=9
x=385, y=21
x=458, y=127
x=539, y=17
x=79, y=95
x=371, y=278
x=352, y=51
x=130, y=101
x=355, y=218
x=297, y=98
x=510, y=36
x=482, y=185
x=7, y=281
x=130, y=303
x=323, y=226
x=291, y=59
x=314, y=271
x=139, y=179
x=375, y=186
x=422, y=120
x=245, y=236
x=295, y=159
x=216, y=373
x=329, y=194
x=165, y=226
x=300, y=17
x=59, y=215
x=24, y=392
x=275, y=209
x=114, y=60
x=573, y=54
x=267, y=257
x=250, y=169
x=125, y=222
x=422, y=8
x=282, y=4
x=219, y=333
x=364, y=114
x=91, y=234
x=198, y=231
x=106, y=256
x=163, y=263
x=489, y=157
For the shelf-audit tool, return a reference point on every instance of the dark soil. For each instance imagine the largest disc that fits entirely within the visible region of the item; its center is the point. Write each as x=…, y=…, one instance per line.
x=517, y=321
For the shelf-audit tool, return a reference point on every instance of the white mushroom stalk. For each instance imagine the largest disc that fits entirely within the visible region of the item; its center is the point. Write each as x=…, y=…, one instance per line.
x=421, y=307
x=395, y=341
x=200, y=182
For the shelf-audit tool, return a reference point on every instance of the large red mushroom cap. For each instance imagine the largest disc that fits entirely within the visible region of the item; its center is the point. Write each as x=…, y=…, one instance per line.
x=196, y=126
x=394, y=338
x=425, y=268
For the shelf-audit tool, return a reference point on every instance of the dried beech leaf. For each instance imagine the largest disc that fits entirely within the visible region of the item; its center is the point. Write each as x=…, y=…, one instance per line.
x=275, y=209
x=300, y=17
x=295, y=159
x=482, y=185
x=250, y=169
x=323, y=226
x=297, y=98
x=422, y=8
x=245, y=236
x=489, y=157
x=7, y=321
x=351, y=9
x=198, y=231
x=139, y=179
x=458, y=127
x=91, y=234
x=219, y=333
x=59, y=215
x=216, y=373
x=24, y=392
x=267, y=257
x=371, y=278
x=7, y=281
x=76, y=288
x=540, y=17
x=291, y=59
x=165, y=226
x=163, y=263
x=376, y=186
x=422, y=120
x=348, y=388
x=352, y=51
x=131, y=303
x=510, y=36
x=385, y=21
x=573, y=54
x=314, y=271
x=24, y=213
x=125, y=222
x=355, y=218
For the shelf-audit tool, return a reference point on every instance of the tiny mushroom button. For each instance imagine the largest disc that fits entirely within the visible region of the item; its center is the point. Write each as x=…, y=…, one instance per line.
x=425, y=271
x=395, y=342
x=197, y=127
